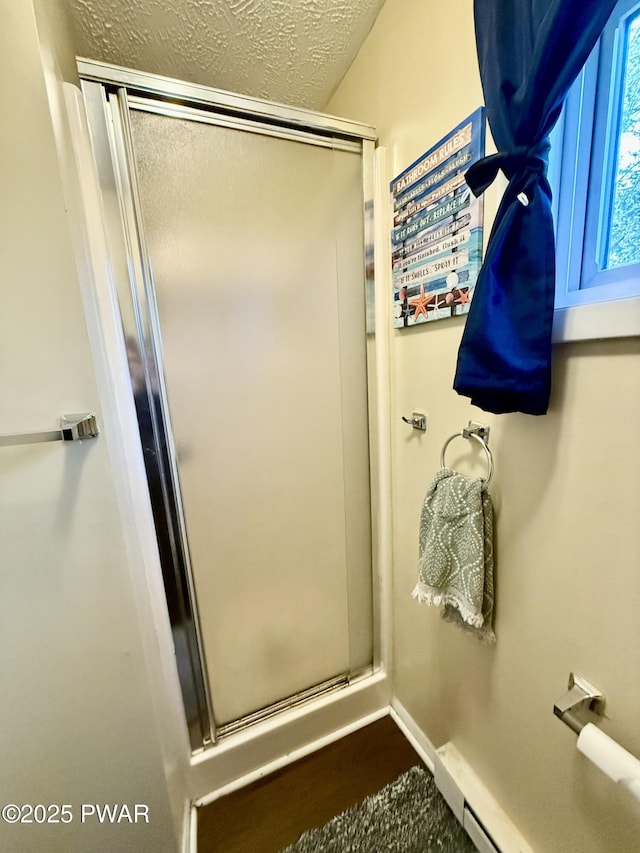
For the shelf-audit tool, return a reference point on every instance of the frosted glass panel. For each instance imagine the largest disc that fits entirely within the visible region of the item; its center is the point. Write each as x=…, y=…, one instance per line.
x=260, y=299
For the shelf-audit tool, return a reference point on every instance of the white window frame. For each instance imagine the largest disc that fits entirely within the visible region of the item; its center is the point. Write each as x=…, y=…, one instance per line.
x=609, y=310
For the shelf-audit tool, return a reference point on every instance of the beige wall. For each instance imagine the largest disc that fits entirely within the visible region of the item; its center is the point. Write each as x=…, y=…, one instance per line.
x=566, y=491
x=77, y=719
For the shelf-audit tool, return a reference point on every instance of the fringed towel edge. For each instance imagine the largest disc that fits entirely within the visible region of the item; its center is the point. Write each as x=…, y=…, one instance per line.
x=432, y=596
x=485, y=634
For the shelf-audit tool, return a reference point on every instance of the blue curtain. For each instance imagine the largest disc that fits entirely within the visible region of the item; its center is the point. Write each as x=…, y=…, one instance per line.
x=530, y=52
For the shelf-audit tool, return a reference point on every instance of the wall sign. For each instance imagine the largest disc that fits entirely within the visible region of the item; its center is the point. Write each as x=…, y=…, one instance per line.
x=437, y=229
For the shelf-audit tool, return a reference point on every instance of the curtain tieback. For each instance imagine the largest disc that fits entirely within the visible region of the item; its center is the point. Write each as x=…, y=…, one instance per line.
x=524, y=164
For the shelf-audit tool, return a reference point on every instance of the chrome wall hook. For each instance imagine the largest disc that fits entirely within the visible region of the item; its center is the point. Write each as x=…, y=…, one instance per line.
x=417, y=421
x=581, y=697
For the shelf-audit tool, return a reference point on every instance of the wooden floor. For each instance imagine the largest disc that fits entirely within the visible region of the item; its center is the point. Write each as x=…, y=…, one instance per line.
x=272, y=813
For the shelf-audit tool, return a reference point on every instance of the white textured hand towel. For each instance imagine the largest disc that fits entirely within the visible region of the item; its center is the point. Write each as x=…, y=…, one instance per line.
x=456, y=552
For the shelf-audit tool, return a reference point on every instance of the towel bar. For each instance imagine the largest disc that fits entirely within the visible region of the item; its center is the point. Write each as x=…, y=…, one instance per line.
x=581, y=697
x=479, y=434
x=605, y=753
x=72, y=428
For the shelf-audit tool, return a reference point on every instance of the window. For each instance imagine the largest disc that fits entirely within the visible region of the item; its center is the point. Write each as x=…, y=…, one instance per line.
x=595, y=174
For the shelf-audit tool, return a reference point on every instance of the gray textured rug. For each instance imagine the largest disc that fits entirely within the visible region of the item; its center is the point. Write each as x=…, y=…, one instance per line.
x=408, y=816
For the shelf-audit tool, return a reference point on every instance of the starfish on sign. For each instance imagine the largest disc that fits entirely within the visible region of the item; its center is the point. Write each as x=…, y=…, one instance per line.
x=421, y=303
x=463, y=297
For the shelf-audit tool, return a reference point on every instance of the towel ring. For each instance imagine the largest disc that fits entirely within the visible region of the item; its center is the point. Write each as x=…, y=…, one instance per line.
x=484, y=446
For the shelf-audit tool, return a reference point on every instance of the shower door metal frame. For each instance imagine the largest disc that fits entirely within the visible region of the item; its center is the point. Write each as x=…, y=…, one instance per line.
x=109, y=93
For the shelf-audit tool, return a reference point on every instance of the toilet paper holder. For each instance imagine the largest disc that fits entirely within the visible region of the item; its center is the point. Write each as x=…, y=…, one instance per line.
x=581, y=697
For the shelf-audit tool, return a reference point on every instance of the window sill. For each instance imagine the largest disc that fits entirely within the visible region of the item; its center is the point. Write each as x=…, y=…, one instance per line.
x=619, y=318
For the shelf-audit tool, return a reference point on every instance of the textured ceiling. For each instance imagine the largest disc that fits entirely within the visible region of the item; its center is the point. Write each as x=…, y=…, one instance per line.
x=291, y=51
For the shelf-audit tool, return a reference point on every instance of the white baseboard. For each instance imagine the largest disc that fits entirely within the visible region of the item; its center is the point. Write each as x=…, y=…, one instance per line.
x=473, y=805
x=190, y=839
x=478, y=811
x=241, y=759
x=413, y=733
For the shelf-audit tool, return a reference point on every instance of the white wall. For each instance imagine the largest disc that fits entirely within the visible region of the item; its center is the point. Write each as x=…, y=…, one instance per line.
x=79, y=716
x=566, y=491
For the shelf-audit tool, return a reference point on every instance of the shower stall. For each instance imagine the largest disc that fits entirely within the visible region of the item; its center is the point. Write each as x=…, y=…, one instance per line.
x=240, y=238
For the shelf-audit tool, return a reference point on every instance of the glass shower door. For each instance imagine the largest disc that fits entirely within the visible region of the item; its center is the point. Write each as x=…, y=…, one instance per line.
x=256, y=247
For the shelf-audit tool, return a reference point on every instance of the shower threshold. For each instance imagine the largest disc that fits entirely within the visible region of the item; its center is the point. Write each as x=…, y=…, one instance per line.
x=322, y=689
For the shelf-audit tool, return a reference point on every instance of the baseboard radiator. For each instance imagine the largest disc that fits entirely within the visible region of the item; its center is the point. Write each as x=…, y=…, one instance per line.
x=484, y=820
